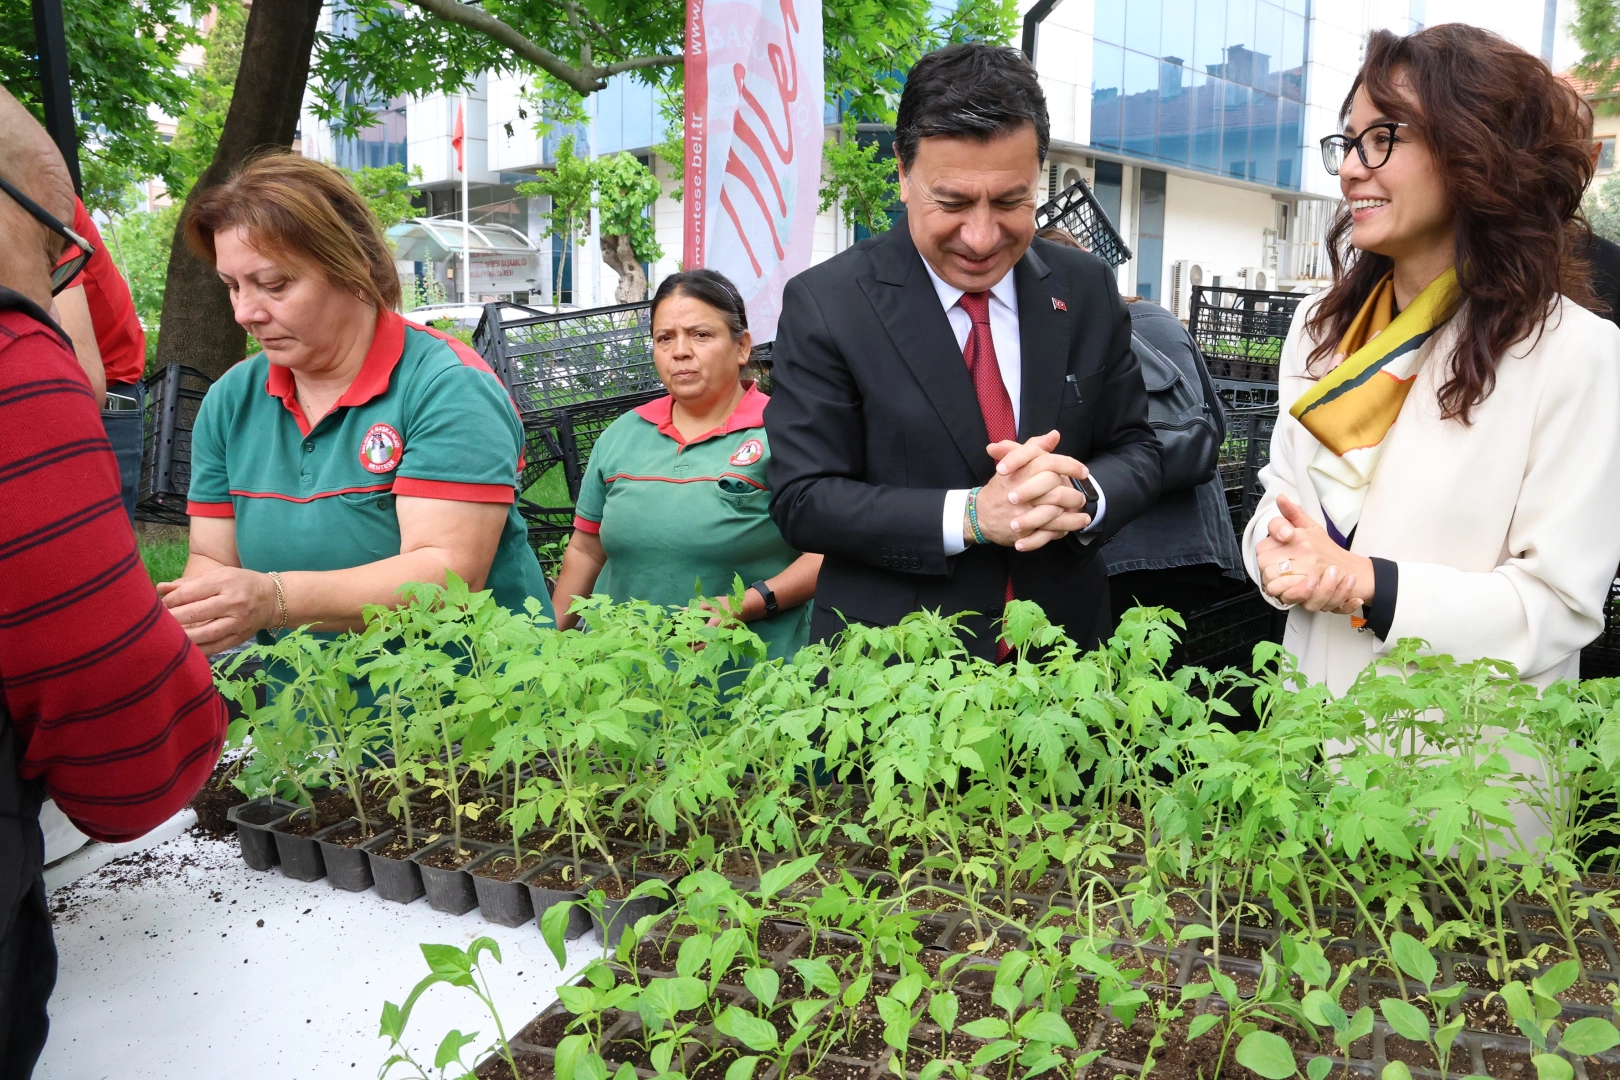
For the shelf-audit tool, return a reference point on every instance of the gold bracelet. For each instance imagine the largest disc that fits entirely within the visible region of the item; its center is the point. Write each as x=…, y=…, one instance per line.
x=281, y=600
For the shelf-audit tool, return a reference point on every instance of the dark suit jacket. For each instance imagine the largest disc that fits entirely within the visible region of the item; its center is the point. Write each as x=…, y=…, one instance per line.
x=873, y=418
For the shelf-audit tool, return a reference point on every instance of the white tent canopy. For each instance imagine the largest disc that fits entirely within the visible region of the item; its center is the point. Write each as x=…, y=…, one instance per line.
x=502, y=258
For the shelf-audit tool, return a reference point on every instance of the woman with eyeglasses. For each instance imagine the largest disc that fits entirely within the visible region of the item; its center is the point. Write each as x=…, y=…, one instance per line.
x=1447, y=461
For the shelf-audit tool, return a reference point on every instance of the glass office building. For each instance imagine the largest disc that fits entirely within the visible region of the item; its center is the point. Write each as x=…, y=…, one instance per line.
x=1215, y=86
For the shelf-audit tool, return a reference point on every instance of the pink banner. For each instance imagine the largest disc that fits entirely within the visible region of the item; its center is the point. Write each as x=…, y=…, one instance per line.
x=754, y=89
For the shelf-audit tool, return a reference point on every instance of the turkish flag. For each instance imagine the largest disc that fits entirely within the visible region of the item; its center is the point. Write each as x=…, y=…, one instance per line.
x=459, y=140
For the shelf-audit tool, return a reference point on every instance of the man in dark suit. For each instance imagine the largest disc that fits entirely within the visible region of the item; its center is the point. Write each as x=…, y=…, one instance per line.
x=956, y=415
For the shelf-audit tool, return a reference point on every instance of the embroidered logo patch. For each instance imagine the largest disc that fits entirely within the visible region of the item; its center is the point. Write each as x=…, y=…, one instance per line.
x=381, y=449
x=748, y=453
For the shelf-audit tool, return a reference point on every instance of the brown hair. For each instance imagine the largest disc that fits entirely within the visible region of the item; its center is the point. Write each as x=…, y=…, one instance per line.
x=300, y=210
x=1059, y=235
x=1510, y=145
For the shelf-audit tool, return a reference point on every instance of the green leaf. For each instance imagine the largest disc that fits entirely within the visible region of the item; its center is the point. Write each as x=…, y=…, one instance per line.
x=1559, y=977
x=1318, y=1068
x=1047, y=1027
x=994, y=1052
x=1194, y=930
x=1311, y=964
x=1201, y=1024
x=1413, y=958
x=1589, y=1036
x=989, y=1027
x=1361, y=1024
x=569, y=1052
x=1266, y=1054
x=942, y=1009
x=554, y=928
x=1405, y=1018
x=1321, y=1010
x=1397, y=1070
x=393, y=1025
x=693, y=954
x=1552, y=1067
x=819, y=975
x=746, y=1028
x=763, y=983
x=780, y=877
x=450, y=1048
x=742, y=1068
x=448, y=963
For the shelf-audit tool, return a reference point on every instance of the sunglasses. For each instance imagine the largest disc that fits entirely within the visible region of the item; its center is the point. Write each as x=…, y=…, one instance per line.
x=64, y=273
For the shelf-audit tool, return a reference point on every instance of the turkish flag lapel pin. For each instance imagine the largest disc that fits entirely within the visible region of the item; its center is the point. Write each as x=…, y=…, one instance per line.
x=1058, y=305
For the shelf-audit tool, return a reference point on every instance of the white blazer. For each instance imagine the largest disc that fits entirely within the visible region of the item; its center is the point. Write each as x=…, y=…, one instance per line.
x=1506, y=531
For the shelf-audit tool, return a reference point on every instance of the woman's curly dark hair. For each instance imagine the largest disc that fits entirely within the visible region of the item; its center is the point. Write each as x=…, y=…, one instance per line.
x=1511, y=142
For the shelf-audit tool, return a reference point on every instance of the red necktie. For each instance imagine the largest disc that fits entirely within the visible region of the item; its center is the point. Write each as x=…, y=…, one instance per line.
x=980, y=354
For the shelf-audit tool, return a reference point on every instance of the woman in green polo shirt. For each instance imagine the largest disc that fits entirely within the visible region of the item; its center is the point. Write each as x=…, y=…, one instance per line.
x=674, y=504
x=357, y=453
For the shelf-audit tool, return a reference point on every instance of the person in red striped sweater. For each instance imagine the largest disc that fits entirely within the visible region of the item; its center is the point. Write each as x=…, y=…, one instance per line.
x=105, y=705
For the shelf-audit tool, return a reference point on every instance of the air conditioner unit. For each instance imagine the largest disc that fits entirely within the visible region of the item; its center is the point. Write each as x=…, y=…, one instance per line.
x=1256, y=277
x=1184, y=277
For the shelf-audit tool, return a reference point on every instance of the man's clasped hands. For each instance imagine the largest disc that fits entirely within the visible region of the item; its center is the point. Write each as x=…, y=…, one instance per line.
x=1030, y=501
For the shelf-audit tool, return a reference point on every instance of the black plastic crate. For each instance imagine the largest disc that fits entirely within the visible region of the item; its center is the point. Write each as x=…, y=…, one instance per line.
x=1077, y=210
x=1245, y=452
x=566, y=436
x=1601, y=659
x=1225, y=633
x=549, y=530
x=173, y=397
x=1243, y=394
x=1241, y=331
x=554, y=361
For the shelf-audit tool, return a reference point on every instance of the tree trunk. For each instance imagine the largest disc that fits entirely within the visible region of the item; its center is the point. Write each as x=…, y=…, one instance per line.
x=617, y=253
x=198, y=329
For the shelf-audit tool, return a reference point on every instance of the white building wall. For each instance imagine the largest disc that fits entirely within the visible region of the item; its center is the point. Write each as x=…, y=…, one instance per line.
x=1221, y=227
x=504, y=109
x=430, y=122
x=1063, y=50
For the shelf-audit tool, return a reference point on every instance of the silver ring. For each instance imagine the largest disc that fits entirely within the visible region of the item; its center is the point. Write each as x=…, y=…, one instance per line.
x=1282, y=567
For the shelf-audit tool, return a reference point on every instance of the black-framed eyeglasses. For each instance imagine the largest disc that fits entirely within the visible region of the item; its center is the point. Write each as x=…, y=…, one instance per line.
x=62, y=274
x=1372, y=146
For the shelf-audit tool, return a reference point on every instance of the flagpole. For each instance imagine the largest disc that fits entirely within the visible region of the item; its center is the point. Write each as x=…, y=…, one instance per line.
x=466, y=212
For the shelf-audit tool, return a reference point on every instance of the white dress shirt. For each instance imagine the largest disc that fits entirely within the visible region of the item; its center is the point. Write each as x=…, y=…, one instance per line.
x=1010, y=359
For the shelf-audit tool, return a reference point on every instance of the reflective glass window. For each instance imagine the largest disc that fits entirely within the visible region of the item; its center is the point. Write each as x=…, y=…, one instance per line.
x=1176, y=31
x=1150, y=233
x=1263, y=137
x=640, y=114
x=1209, y=35
x=1142, y=27
x=1297, y=7
x=1239, y=41
x=1175, y=112
x=1204, y=138
x=1107, y=80
x=1235, y=130
x=1268, y=45
x=1141, y=104
x=1109, y=24
x=1292, y=158
x=1291, y=65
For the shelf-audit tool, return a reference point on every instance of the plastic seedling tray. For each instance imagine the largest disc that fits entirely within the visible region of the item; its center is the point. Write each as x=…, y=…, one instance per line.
x=348, y=867
x=504, y=902
x=542, y=899
x=253, y=821
x=399, y=880
x=300, y=855
x=618, y=914
x=450, y=891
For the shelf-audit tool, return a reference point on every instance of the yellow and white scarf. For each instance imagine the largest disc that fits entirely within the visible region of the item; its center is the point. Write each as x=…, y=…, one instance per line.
x=1351, y=409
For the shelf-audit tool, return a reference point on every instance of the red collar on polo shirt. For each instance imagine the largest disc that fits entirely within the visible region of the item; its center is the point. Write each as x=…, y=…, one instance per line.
x=749, y=413
x=387, y=346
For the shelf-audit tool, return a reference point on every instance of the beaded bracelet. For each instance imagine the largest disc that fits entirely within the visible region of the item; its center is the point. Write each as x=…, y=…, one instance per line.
x=973, y=516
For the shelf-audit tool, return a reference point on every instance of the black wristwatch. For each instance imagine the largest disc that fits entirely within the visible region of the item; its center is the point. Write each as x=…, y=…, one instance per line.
x=769, y=597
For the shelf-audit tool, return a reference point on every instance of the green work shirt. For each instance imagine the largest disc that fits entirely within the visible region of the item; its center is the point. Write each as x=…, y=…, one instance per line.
x=425, y=417
x=678, y=519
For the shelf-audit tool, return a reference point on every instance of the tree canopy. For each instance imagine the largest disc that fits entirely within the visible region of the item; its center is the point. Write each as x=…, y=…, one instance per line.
x=123, y=59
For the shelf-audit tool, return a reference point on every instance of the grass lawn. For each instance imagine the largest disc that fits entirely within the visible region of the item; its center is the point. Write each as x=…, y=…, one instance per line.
x=165, y=559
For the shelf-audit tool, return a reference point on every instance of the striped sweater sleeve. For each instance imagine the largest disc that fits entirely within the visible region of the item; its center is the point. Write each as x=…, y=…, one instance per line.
x=115, y=707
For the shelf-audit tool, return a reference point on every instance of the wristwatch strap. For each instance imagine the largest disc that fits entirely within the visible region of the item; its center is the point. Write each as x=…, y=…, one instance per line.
x=769, y=597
